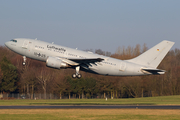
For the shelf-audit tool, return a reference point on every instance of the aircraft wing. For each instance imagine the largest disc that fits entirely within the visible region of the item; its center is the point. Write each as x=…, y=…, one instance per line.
x=153, y=71
x=76, y=62
x=93, y=60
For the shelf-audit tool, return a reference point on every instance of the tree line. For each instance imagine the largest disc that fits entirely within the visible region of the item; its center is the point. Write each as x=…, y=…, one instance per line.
x=35, y=77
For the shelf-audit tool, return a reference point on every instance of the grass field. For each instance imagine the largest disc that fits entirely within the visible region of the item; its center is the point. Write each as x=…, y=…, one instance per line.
x=92, y=114
x=89, y=114
x=163, y=100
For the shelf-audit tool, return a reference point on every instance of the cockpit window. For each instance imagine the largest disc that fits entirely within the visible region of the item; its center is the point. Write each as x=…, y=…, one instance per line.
x=13, y=40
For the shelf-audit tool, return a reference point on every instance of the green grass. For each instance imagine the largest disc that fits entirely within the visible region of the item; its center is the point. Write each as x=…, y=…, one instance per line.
x=89, y=114
x=27, y=117
x=97, y=117
x=162, y=100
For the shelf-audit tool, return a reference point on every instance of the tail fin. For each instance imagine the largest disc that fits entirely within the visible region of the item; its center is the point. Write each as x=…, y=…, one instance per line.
x=153, y=56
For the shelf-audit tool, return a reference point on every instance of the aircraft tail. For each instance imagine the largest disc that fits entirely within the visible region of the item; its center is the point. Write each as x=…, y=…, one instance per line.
x=153, y=57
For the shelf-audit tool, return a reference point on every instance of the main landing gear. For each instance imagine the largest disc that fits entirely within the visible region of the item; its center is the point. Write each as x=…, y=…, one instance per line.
x=24, y=60
x=77, y=73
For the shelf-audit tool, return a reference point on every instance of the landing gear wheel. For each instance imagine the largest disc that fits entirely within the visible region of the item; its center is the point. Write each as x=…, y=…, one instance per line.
x=79, y=76
x=24, y=63
x=76, y=75
x=73, y=75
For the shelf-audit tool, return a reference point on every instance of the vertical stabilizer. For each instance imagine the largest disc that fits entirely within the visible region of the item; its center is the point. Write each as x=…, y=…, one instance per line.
x=153, y=56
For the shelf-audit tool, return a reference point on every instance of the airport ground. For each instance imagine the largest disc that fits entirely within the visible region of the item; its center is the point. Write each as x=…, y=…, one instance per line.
x=125, y=114
x=88, y=114
x=160, y=100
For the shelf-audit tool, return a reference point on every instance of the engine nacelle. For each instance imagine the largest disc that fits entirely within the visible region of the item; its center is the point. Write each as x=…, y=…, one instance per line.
x=55, y=63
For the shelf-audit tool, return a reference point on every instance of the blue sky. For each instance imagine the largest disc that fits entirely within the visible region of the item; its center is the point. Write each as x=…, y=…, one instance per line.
x=91, y=24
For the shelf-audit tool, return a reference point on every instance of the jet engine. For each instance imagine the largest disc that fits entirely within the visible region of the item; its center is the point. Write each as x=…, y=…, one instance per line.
x=55, y=63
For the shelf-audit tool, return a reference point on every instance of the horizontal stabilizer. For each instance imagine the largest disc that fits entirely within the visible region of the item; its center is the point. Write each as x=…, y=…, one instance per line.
x=152, y=71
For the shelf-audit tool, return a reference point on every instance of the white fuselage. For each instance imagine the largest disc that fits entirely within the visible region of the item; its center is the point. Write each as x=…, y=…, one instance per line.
x=40, y=50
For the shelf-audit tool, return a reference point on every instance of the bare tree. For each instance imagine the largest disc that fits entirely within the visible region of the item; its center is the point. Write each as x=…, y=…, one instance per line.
x=137, y=50
x=60, y=83
x=43, y=76
x=100, y=52
x=145, y=48
x=133, y=86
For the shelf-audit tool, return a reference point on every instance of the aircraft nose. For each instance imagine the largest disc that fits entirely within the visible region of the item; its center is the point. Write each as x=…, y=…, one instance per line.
x=6, y=44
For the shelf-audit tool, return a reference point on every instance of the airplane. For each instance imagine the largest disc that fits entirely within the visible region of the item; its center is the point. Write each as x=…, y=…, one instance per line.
x=58, y=57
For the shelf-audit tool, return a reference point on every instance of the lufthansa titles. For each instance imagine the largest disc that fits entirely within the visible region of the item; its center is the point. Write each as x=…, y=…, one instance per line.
x=56, y=48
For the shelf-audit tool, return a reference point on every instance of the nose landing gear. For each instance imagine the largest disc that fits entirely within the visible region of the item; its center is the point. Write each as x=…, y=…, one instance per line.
x=24, y=60
x=77, y=73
